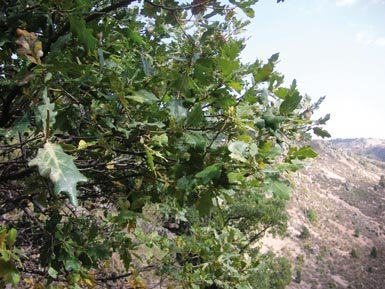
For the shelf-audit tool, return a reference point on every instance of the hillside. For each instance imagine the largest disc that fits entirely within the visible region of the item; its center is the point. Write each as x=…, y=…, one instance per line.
x=372, y=148
x=336, y=232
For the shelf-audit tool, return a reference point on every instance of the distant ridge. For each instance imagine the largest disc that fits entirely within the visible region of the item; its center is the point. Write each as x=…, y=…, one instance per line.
x=369, y=147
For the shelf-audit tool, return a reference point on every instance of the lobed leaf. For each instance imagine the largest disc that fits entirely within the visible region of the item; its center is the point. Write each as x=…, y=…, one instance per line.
x=54, y=163
x=321, y=132
x=290, y=103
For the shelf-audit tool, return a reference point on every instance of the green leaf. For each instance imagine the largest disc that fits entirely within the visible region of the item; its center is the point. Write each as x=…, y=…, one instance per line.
x=52, y=272
x=209, y=173
x=101, y=57
x=302, y=153
x=205, y=203
x=279, y=189
x=160, y=140
x=135, y=36
x=238, y=150
x=290, y=103
x=184, y=184
x=203, y=70
x=236, y=85
x=147, y=65
x=274, y=58
x=126, y=258
x=293, y=166
x=195, y=117
x=324, y=119
x=150, y=160
x=177, y=110
x=61, y=42
x=321, y=132
x=54, y=163
x=253, y=149
x=225, y=101
x=227, y=67
x=143, y=96
x=84, y=35
x=43, y=110
x=11, y=236
x=71, y=264
x=235, y=177
x=272, y=121
x=263, y=73
x=249, y=12
x=9, y=272
x=196, y=140
x=21, y=126
x=281, y=92
x=231, y=49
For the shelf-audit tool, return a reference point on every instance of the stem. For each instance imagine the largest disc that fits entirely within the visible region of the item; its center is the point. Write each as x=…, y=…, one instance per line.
x=46, y=129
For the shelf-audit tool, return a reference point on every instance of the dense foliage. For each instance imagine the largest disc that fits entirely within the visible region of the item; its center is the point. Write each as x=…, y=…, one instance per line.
x=134, y=140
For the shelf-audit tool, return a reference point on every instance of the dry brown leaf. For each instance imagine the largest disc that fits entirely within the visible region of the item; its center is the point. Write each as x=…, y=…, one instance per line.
x=30, y=46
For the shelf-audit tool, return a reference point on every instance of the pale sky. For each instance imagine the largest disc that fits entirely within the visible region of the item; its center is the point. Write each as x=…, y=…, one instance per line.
x=334, y=48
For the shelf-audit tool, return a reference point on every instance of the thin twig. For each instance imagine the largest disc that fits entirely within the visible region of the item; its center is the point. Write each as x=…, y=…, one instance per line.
x=117, y=277
x=12, y=204
x=254, y=238
x=17, y=175
x=216, y=135
x=179, y=8
x=31, y=216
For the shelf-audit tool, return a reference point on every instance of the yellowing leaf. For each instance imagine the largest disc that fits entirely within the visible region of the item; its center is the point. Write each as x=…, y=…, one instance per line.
x=150, y=160
x=54, y=163
x=11, y=238
x=110, y=165
x=82, y=145
x=89, y=281
x=237, y=86
x=52, y=272
x=143, y=96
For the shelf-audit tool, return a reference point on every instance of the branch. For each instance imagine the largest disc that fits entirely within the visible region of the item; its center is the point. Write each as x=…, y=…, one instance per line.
x=6, y=107
x=17, y=175
x=223, y=123
x=108, y=9
x=33, y=218
x=180, y=8
x=254, y=238
x=39, y=273
x=18, y=202
x=89, y=18
x=117, y=277
x=110, y=278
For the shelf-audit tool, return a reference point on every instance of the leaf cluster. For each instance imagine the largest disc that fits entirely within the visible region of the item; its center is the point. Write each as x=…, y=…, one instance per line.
x=119, y=114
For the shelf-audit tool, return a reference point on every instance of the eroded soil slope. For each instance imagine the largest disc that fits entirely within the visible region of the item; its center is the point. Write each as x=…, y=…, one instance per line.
x=336, y=234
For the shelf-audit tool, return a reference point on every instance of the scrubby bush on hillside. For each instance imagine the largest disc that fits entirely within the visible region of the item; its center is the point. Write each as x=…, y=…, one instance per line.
x=110, y=106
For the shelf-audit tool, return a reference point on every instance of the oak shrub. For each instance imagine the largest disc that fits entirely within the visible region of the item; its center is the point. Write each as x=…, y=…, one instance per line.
x=132, y=131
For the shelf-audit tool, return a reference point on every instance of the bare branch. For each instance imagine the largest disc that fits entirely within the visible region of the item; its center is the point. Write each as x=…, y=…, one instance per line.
x=255, y=237
x=179, y=8
x=117, y=277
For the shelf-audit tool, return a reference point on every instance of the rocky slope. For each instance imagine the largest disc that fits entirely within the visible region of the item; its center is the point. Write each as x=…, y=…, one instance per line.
x=336, y=236
x=372, y=148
